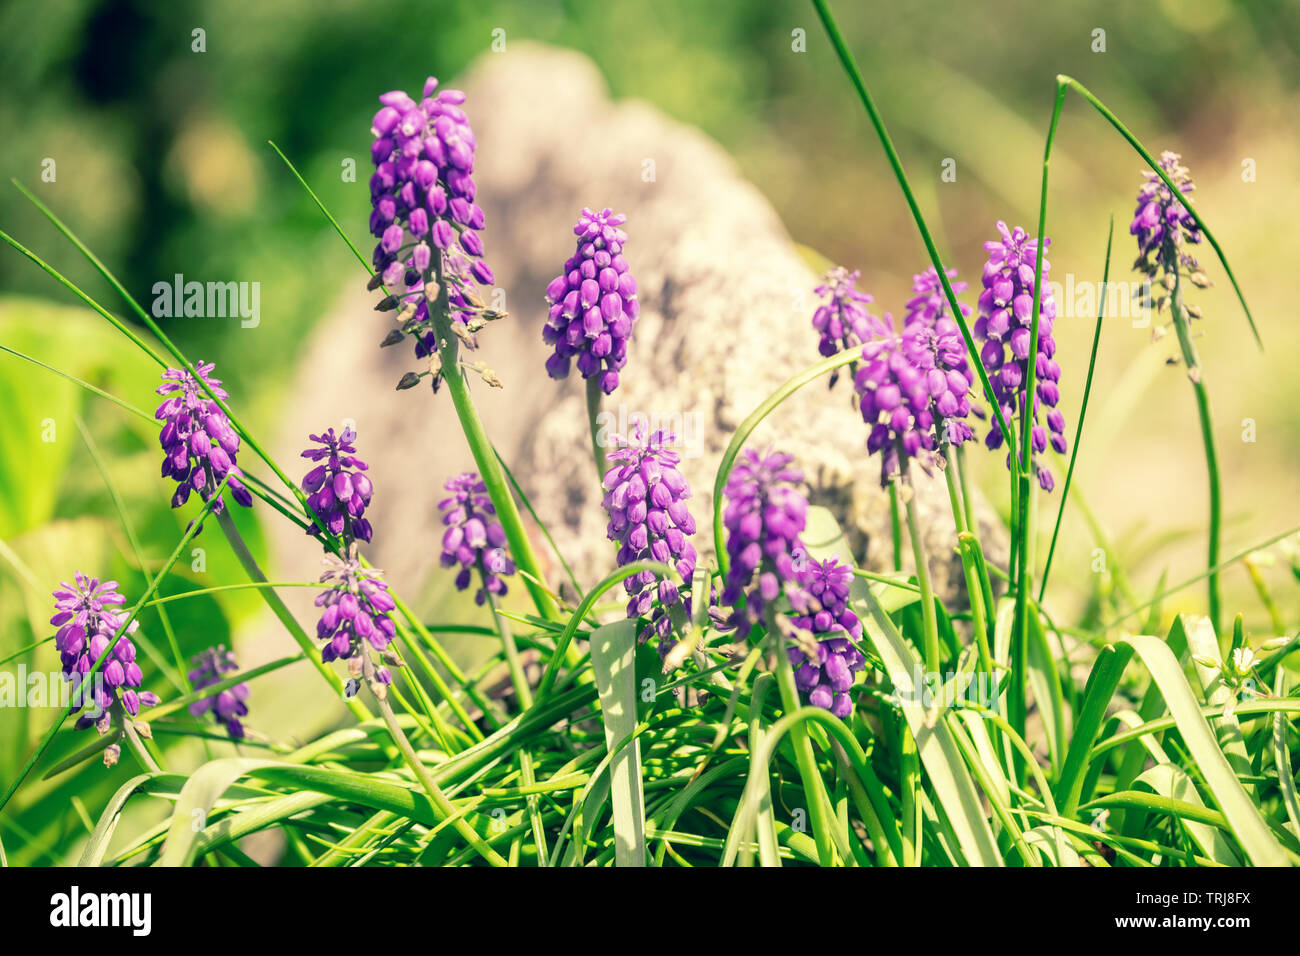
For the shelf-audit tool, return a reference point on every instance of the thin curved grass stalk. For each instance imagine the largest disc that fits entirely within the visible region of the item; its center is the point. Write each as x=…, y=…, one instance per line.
x=44, y=743
x=820, y=811
x=1083, y=411
x=1063, y=84
x=811, y=374
x=855, y=77
x=928, y=619
x=309, y=648
x=524, y=700
x=1195, y=579
x=178, y=678
x=851, y=751
x=149, y=323
x=94, y=390
x=565, y=640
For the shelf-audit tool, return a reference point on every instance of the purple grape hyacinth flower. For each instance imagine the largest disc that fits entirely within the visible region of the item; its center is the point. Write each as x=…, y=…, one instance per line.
x=196, y=437
x=593, y=303
x=764, y=517
x=1005, y=317
x=474, y=539
x=913, y=391
x=212, y=665
x=1162, y=223
x=422, y=197
x=1165, y=230
x=338, y=491
x=356, y=613
x=929, y=303
x=86, y=622
x=843, y=320
x=645, y=498
x=821, y=607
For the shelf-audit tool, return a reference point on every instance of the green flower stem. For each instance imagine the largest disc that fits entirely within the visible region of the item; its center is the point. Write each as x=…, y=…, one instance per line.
x=138, y=748
x=972, y=525
x=1083, y=411
x=746, y=427
x=877, y=123
x=489, y=467
x=896, y=526
x=524, y=700
x=593, y=413
x=1022, y=467
x=928, y=619
x=814, y=788
x=975, y=586
x=1018, y=704
x=1182, y=326
x=277, y=606
x=440, y=685
x=911, y=815
x=440, y=802
x=969, y=540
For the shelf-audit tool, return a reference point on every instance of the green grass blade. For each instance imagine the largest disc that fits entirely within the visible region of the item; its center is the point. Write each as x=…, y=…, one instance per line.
x=1113, y=120
x=743, y=431
x=1083, y=412
x=613, y=659
x=944, y=764
x=1243, y=816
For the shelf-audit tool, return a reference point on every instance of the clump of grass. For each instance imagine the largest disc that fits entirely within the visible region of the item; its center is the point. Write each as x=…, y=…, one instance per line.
x=787, y=707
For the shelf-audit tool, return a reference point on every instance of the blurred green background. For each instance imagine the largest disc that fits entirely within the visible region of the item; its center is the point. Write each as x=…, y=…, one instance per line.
x=162, y=167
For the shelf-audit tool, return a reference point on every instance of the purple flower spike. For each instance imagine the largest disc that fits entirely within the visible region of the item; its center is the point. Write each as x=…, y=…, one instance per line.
x=211, y=666
x=198, y=443
x=1165, y=230
x=422, y=198
x=356, y=613
x=913, y=391
x=1005, y=318
x=929, y=304
x=645, y=498
x=1162, y=223
x=764, y=517
x=474, y=539
x=843, y=321
x=821, y=607
x=593, y=303
x=86, y=619
x=338, y=491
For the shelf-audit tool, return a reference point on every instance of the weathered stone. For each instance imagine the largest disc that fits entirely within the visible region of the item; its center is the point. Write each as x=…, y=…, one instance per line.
x=726, y=301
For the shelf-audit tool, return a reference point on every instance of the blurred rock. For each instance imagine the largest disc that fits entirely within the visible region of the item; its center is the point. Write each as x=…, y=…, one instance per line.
x=726, y=302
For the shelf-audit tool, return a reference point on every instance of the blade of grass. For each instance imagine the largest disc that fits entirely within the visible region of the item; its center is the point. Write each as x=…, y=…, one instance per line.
x=1244, y=818
x=1083, y=411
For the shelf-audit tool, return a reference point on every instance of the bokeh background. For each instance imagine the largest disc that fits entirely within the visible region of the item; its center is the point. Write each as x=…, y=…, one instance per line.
x=162, y=167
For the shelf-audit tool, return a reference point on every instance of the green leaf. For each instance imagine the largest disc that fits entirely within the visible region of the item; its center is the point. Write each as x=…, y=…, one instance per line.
x=613, y=660
x=1247, y=823
x=940, y=756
